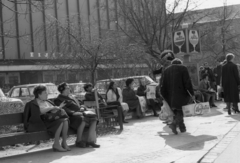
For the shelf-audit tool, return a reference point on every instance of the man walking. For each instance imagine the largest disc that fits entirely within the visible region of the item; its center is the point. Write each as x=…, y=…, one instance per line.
x=230, y=83
x=176, y=84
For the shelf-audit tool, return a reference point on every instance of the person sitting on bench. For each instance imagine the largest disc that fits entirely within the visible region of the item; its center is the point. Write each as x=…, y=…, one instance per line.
x=129, y=97
x=77, y=121
x=90, y=95
x=114, y=97
x=34, y=118
x=208, y=93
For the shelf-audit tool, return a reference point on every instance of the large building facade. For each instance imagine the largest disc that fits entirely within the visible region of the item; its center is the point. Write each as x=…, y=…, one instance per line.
x=23, y=56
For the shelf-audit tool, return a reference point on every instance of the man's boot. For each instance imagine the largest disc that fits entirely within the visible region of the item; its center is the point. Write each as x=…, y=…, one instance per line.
x=173, y=126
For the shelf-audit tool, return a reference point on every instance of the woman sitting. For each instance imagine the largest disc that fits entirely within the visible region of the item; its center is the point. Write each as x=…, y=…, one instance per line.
x=77, y=121
x=129, y=97
x=35, y=118
x=152, y=103
x=114, y=97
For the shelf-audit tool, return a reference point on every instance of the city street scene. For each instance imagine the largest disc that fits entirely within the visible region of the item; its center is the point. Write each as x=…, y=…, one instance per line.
x=119, y=81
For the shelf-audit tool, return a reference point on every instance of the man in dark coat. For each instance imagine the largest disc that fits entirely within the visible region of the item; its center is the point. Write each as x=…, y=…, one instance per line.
x=230, y=83
x=175, y=87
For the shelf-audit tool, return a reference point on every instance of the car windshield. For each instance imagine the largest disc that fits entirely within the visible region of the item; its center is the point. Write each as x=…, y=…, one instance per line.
x=77, y=88
x=51, y=89
x=1, y=93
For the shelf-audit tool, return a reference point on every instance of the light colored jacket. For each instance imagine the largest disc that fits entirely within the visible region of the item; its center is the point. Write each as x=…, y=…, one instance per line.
x=111, y=96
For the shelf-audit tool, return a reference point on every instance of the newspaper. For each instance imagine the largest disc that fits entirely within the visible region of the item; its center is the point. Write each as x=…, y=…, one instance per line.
x=151, y=92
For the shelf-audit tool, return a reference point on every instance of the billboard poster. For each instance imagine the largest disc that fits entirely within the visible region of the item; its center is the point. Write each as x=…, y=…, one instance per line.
x=179, y=42
x=194, y=41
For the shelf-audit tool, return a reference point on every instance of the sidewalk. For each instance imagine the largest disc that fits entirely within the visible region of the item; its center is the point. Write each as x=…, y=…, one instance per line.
x=148, y=140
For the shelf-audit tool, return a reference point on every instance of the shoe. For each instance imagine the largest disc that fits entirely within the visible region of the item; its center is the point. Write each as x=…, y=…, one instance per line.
x=58, y=150
x=156, y=115
x=229, y=112
x=174, y=128
x=68, y=149
x=80, y=144
x=235, y=110
x=125, y=121
x=213, y=105
x=183, y=130
x=92, y=144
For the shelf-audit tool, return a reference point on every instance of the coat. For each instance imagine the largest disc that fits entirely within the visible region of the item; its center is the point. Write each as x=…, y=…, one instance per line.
x=230, y=82
x=176, y=83
x=71, y=107
x=129, y=97
x=218, y=73
x=33, y=121
x=112, y=97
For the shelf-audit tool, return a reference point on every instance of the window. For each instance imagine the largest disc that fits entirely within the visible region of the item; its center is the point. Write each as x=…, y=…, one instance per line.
x=15, y=92
x=60, y=78
x=24, y=92
x=48, y=78
x=13, y=80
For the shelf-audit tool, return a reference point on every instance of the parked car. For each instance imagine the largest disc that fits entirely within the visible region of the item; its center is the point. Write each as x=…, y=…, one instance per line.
x=10, y=105
x=102, y=85
x=25, y=92
x=78, y=90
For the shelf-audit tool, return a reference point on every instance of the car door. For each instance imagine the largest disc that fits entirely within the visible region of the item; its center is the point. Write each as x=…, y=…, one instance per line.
x=25, y=95
x=15, y=93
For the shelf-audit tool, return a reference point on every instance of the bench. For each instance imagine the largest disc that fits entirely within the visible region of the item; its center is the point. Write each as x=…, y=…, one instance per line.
x=110, y=115
x=22, y=137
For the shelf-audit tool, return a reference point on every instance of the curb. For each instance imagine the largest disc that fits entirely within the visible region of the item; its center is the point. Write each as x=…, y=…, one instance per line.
x=218, y=149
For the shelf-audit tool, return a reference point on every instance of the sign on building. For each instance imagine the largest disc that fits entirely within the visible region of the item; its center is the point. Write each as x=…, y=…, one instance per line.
x=186, y=41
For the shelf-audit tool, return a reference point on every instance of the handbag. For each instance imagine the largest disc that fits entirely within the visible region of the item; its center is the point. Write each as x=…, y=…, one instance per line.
x=89, y=114
x=54, y=115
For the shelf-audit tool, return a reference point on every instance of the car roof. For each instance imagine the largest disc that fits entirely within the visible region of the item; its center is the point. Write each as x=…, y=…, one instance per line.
x=75, y=83
x=123, y=78
x=29, y=85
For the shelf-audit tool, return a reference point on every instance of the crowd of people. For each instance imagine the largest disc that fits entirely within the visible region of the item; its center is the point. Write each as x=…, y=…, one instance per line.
x=175, y=87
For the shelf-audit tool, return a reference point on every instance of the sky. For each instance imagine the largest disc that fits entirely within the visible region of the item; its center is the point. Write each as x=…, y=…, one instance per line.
x=202, y=4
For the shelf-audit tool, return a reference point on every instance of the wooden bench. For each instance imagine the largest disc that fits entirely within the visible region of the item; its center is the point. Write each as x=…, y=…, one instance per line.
x=21, y=137
x=109, y=114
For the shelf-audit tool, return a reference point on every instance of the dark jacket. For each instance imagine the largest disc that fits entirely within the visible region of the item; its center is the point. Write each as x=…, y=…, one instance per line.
x=31, y=117
x=230, y=82
x=129, y=97
x=176, y=83
x=218, y=73
x=71, y=106
x=90, y=96
x=140, y=90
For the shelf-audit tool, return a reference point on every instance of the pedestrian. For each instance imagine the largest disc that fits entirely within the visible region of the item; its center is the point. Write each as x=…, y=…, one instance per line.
x=218, y=75
x=230, y=83
x=176, y=92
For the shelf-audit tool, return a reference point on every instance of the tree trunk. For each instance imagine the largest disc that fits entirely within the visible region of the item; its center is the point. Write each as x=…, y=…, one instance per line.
x=93, y=77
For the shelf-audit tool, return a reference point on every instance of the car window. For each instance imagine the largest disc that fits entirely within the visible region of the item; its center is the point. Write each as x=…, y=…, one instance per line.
x=52, y=89
x=15, y=92
x=1, y=93
x=31, y=90
x=24, y=92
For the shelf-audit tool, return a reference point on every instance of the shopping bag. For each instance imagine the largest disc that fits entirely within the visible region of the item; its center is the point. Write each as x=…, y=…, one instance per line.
x=166, y=114
x=196, y=109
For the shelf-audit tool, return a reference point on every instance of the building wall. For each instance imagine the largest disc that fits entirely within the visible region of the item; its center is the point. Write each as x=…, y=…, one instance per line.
x=23, y=24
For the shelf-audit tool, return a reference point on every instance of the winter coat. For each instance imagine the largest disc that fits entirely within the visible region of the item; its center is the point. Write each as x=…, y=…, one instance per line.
x=33, y=121
x=176, y=83
x=129, y=97
x=230, y=82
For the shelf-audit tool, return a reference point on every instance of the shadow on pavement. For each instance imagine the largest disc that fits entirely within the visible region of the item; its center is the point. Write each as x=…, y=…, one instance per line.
x=214, y=112
x=184, y=141
x=132, y=121
x=45, y=156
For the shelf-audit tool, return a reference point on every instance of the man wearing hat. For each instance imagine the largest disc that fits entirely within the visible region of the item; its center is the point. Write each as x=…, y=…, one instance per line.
x=165, y=58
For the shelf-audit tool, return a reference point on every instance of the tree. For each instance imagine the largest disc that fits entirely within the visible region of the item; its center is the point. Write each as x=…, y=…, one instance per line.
x=149, y=24
x=222, y=34
x=76, y=51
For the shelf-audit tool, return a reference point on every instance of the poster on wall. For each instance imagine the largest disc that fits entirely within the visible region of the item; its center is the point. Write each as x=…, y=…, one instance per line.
x=179, y=42
x=194, y=41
